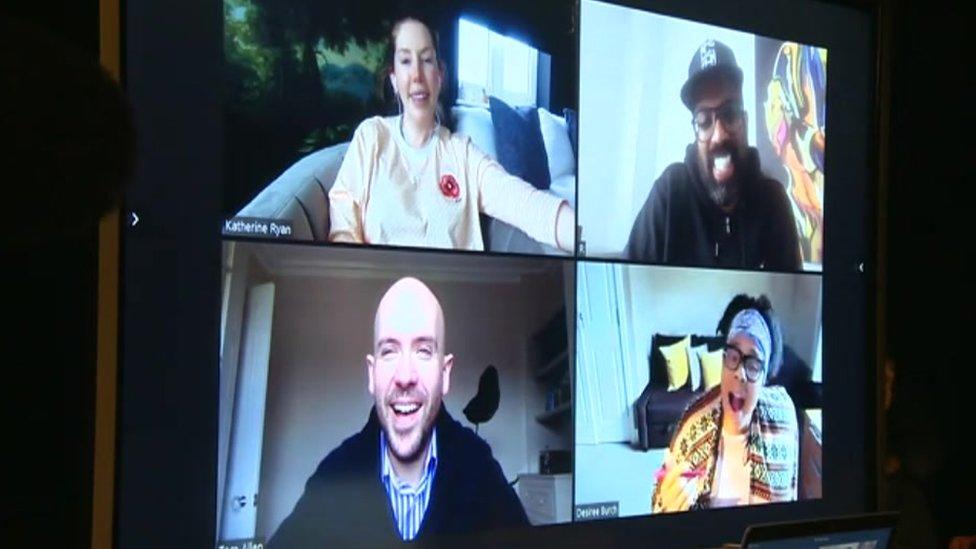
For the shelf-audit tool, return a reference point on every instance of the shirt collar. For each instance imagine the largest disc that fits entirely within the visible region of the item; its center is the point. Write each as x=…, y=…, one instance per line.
x=388, y=475
x=415, y=153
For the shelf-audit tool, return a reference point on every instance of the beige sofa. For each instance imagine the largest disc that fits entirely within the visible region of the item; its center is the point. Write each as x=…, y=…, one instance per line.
x=300, y=195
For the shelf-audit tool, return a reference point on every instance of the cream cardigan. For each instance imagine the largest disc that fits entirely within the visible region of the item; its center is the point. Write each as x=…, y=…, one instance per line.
x=387, y=192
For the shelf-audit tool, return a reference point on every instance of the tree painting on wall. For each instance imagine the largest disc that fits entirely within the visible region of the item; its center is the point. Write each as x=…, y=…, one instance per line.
x=298, y=75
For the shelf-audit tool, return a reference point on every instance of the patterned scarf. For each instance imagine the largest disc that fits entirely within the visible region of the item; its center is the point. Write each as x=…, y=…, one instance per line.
x=772, y=446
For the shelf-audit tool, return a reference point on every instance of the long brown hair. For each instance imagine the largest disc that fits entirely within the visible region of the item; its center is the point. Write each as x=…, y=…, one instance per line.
x=391, y=97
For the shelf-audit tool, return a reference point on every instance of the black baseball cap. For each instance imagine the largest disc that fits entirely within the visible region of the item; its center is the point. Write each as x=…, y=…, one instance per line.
x=712, y=58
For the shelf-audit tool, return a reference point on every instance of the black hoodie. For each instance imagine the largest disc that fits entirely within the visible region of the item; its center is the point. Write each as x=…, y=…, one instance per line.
x=681, y=225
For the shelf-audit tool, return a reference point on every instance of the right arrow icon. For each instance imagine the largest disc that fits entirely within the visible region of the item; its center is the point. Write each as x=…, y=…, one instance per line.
x=134, y=217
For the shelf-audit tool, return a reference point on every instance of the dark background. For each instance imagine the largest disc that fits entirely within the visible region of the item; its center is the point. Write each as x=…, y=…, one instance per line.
x=930, y=269
x=928, y=291
x=49, y=308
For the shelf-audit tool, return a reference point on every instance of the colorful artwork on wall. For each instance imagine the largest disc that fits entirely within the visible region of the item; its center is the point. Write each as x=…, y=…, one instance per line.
x=791, y=92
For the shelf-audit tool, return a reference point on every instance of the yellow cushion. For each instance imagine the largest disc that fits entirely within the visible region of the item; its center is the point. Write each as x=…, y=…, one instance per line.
x=711, y=365
x=676, y=357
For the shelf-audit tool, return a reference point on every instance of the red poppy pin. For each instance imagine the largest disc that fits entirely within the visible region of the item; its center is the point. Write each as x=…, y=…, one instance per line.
x=450, y=187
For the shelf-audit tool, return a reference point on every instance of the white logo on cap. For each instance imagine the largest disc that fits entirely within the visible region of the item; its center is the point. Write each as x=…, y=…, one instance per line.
x=707, y=54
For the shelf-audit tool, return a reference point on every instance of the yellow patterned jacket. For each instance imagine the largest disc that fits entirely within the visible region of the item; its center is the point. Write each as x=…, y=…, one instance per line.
x=772, y=446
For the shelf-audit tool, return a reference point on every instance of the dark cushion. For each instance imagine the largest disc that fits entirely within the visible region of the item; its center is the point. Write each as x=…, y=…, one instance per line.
x=667, y=406
x=656, y=413
x=518, y=142
x=793, y=371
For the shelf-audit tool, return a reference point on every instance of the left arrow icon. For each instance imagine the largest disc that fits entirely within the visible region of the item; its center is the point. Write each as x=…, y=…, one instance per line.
x=135, y=218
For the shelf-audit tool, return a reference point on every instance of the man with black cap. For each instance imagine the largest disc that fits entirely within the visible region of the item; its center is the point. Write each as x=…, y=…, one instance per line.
x=716, y=208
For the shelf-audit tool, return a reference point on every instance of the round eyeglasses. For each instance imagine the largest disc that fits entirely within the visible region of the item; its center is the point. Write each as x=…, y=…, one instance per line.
x=733, y=358
x=730, y=114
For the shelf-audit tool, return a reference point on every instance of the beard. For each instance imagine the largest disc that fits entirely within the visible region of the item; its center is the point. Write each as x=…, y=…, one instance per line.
x=408, y=445
x=724, y=194
x=407, y=448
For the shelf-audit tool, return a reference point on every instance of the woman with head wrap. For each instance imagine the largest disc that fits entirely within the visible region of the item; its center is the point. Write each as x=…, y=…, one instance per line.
x=738, y=443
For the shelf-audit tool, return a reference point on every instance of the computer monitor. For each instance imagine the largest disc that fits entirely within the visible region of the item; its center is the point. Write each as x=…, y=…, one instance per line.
x=643, y=274
x=870, y=531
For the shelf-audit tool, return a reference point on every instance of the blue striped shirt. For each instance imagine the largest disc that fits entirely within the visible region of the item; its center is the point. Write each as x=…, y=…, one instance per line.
x=409, y=503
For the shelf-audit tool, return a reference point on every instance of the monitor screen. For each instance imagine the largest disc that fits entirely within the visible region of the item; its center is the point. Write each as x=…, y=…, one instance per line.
x=865, y=539
x=519, y=272
x=848, y=532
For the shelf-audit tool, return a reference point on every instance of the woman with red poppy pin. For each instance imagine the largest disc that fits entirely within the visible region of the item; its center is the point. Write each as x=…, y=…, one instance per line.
x=406, y=180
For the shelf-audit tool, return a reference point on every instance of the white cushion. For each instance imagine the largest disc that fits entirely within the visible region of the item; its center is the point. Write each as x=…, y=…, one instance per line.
x=475, y=122
x=694, y=365
x=559, y=149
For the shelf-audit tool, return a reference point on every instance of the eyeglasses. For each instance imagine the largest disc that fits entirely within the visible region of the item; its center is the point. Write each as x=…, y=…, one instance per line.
x=732, y=358
x=730, y=113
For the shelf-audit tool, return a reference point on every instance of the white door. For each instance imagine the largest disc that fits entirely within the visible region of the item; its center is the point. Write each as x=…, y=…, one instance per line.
x=240, y=498
x=604, y=413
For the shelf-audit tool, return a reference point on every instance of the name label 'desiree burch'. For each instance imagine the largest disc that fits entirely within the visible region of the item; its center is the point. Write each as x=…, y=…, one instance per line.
x=597, y=511
x=257, y=226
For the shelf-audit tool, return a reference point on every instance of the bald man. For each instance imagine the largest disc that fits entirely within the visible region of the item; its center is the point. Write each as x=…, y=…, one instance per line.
x=412, y=471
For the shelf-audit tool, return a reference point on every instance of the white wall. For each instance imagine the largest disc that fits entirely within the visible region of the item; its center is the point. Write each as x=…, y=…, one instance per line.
x=317, y=393
x=678, y=301
x=632, y=121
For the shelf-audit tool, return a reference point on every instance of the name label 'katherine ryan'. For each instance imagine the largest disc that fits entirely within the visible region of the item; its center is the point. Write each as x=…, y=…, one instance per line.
x=258, y=227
